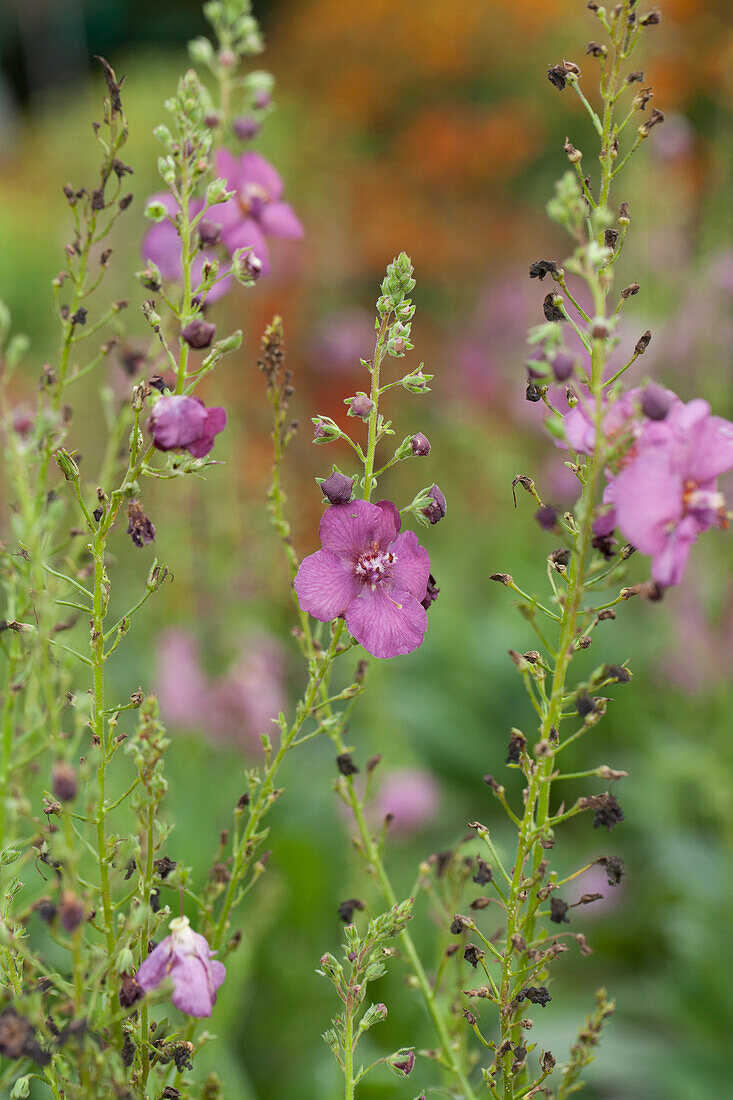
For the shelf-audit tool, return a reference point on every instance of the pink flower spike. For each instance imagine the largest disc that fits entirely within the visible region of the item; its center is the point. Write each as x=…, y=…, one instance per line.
x=370, y=575
x=185, y=957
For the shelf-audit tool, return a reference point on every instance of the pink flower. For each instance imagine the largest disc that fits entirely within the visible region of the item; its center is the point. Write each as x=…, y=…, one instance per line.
x=247, y=700
x=184, y=423
x=186, y=958
x=619, y=416
x=667, y=494
x=370, y=575
x=162, y=246
x=411, y=797
x=255, y=211
x=181, y=686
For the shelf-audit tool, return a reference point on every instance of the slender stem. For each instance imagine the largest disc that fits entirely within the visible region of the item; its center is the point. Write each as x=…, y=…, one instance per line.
x=523, y=901
x=349, y=1052
x=428, y=993
x=369, y=479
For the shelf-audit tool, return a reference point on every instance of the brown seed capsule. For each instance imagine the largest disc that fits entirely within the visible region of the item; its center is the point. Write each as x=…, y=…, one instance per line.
x=64, y=781
x=71, y=911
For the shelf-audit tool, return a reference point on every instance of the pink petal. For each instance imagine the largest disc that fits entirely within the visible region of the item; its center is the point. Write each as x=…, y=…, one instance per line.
x=247, y=234
x=350, y=529
x=253, y=168
x=648, y=497
x=391, y=512
x=156, y=967
x=226, y=214
x=411, y=570
x=668, y=565
x=712, y=452
x=217, y=973
x=325, y=585
x=216, y=420
x=192, y=992
x=230, y=169
x=579, y=433
x=387, y=624
x=161, y=246
x=278, y=219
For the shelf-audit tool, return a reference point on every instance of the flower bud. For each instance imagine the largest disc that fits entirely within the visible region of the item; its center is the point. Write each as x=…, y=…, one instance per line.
x=420, y=444
x=246, y=267
x=217, y=192
x=338, y=489
x=201, y=51
x=246, y=128
x=402, y=1063
x=656, y=401
x=326, y=429
x=64, y=782
x=209, y=233
x=156, y=212
x=562, y=364
x=373, y=1015
x=435, y=510
x=417, y=382
x=431, y=593
x=71, y=911
x=361, y=405
x=198, y=333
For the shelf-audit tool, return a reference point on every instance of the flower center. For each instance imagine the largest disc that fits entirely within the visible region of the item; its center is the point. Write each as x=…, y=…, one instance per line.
x=374, y=565
x=252, y=198
x=707, y=503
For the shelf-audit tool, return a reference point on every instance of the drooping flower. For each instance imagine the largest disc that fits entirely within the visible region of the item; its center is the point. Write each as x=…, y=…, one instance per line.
x=178, y=422
x=162, y=246
x=255, y=211
x=667, y=494
x=185, y=957
x=370, y=575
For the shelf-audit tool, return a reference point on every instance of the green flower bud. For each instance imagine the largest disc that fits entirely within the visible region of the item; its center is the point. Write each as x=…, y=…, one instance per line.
x=156, y=212
x=217, y=192
x=201, y=52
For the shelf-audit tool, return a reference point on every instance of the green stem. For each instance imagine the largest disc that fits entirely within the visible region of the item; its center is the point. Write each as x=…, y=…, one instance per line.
x=369, y=479
x=349, y=1054
x=523, y=902
x=375, y=860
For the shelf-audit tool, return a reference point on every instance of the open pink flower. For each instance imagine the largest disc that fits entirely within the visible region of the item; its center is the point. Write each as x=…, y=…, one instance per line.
x=370, y=575
x=618, y=418
x=178, y=422
x=186, y=958
x=667, y=494
x=162, y=246
x=255, y=211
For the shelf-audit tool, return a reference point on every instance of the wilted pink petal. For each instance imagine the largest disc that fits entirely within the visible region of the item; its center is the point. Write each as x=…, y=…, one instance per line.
x=185, y=957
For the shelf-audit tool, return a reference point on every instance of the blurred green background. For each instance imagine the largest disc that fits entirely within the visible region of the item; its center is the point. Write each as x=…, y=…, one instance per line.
x=428, y=127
